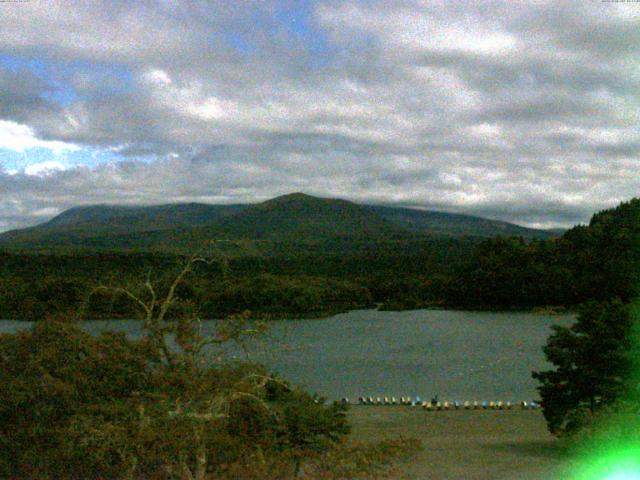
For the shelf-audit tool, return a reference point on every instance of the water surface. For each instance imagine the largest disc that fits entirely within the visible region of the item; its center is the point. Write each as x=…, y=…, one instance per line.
x=452, y=354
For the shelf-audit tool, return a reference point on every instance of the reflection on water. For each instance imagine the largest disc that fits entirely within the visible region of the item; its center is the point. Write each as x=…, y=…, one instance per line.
x=456, y=355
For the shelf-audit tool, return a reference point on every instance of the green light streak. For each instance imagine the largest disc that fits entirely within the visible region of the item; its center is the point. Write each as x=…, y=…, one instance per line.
x=613, y=450
x=612, y=464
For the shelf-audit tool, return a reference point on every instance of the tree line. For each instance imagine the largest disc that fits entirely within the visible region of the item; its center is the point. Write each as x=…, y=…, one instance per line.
x=595, y=262
x=592, y=393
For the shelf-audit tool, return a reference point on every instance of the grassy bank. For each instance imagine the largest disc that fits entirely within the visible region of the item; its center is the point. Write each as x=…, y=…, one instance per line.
x=466, y=445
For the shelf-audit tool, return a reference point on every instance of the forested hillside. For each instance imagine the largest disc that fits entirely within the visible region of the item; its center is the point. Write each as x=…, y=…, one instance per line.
x=599, y=261
x=294, y=277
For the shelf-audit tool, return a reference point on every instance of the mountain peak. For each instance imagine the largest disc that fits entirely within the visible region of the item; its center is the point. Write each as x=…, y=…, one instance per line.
x=294, y=197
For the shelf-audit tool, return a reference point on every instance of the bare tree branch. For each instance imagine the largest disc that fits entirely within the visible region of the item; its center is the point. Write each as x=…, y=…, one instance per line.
x=127, y=293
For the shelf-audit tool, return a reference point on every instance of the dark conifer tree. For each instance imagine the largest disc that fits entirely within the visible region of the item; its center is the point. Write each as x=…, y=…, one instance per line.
x=592, y=365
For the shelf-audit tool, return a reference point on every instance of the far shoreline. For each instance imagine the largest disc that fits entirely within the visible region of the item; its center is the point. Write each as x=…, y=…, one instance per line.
x=322, y=315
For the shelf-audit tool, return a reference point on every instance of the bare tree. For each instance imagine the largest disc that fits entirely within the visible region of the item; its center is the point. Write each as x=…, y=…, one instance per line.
x=160, y=321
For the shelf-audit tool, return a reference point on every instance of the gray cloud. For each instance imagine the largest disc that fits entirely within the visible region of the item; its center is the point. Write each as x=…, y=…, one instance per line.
x=525, y=112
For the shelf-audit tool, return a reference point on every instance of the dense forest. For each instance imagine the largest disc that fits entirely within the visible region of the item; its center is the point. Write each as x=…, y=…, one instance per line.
x=596, y=262
x=295, y=278
x=299, y=284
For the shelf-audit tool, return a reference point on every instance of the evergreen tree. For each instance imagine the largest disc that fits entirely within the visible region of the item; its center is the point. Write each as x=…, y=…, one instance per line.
x=592, y=365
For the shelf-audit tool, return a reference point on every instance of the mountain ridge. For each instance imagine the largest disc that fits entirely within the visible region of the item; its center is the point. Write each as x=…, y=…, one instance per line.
x=292, y=217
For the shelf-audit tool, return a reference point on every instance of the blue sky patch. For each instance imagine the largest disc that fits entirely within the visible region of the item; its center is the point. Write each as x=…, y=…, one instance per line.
x=105, y=79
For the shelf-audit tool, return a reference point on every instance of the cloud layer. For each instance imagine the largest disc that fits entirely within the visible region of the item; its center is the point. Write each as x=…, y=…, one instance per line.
x=526, y=112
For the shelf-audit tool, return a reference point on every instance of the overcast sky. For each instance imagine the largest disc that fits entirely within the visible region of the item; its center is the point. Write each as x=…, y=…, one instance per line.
x=522, y=111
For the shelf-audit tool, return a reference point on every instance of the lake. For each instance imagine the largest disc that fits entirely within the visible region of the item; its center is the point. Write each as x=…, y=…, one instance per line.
x=453, y=354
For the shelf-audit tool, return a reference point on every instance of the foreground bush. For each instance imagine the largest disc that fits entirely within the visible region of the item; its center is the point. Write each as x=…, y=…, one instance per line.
x=77, y=406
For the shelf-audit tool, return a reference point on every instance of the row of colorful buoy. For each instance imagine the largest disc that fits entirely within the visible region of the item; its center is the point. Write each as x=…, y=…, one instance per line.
x=475, y=405
x=385, y=401
x=436, y=405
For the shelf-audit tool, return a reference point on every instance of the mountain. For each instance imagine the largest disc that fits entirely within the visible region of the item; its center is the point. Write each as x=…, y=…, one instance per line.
x=298, y=217
x=454, y=224
x=141, y=218
x=290, y=218
x=114, y=218
x=106, y=226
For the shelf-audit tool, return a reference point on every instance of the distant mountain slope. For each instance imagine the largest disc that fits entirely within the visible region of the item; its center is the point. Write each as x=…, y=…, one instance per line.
x=298, y=216
x=104, y=226
x=295, y=217
x=455, y=224
x=156, y=217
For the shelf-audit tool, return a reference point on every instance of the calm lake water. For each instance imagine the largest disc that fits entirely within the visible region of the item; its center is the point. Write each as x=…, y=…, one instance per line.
x=454, y=354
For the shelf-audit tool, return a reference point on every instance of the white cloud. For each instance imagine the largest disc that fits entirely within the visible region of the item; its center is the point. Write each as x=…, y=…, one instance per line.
x=524, y=112
x=46, y=212
x=18, y=138
x=44, y=168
